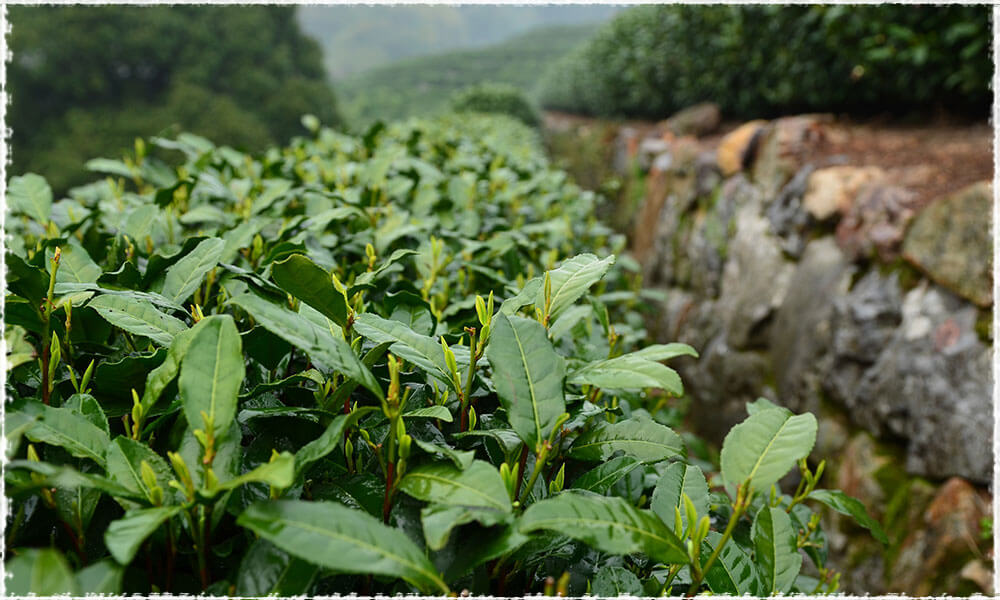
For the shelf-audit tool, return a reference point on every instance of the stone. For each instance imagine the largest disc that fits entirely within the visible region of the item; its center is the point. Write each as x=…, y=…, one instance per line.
x=626, y=146
x=801, y=332
x=648, y=149
x=720, y=383
x=736, y=147
x=950, y=240
x=697, y=120
x=754, y=279
x=788, y=220
x=931, y=386
x=934, y=554
x=785, y=145
x=865, y=320
x=831, y=191
x=876, y=221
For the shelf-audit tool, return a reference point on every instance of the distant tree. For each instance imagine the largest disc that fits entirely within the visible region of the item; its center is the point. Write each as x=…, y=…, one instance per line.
x=86, y=80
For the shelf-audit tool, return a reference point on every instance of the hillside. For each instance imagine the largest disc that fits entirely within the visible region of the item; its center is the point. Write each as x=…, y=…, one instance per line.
x=421, y=86
x=359, y=38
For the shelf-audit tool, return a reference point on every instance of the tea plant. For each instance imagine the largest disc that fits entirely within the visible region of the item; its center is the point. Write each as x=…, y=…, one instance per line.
x=362, y=365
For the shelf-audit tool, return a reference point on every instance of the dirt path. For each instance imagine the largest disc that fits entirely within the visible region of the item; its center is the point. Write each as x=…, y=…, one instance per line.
x=931, y=159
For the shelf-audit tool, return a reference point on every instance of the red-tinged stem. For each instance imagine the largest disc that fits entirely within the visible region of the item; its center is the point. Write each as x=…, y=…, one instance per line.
x=387, y=502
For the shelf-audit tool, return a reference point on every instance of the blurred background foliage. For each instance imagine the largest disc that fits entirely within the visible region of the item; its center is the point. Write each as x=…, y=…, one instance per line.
x=762, y=60
x=86, y=80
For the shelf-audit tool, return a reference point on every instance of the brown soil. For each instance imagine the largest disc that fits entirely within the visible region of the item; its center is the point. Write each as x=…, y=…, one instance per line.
x=932, y=159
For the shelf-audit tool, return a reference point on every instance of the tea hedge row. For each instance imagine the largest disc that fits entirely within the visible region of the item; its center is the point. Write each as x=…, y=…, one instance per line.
x=390, y=363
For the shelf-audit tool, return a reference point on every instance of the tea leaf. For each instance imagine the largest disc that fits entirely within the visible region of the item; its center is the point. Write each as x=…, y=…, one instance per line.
x=766, y=446
x=139, y=317
x=775, y=550
x=609, y=524
x=211, y=373
x=852, y=507
x=642, y=438
x=308, y=282
x=442, y=483
x=528, y=375
x=342, y=539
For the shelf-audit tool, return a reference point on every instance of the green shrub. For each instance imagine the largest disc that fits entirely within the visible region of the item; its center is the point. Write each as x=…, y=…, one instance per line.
x=86, y=81
x=384, y=364
x=758, y=60
x=496, y=98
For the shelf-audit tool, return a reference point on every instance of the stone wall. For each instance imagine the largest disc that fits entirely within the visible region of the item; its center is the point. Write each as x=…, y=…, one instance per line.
x=829, y=287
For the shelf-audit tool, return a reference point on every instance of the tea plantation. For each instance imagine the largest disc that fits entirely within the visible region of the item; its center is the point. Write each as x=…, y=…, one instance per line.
x=407, y=361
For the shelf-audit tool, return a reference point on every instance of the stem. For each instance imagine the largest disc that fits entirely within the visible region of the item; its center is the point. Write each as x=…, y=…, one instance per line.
x=47, y=329
x=387, y=501
x=520, y=470
x=390, y=471
x=77, y=545
x=171, y=556
x=539, y=463
x=473, y=357
x=742, y=502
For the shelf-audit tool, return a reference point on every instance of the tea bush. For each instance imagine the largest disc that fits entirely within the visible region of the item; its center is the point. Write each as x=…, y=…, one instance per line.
x=496, y=98
x=763, y=60
x=407, y=361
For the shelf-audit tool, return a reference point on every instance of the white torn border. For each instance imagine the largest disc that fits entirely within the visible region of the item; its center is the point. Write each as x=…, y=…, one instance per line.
x=4, y=161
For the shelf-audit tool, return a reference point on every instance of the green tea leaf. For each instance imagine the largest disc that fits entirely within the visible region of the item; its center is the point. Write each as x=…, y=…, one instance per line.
x=339, y=538
x=40, y=571
x=629, y=373
x=765, y=446
x=310, y=283
x=124, y=460
x=317, y=342
x=66, y=428
x=211, y=373
x=419, y=349
x=124, y=536
x=430, y=412
x=160, y=377
x=609, y=524
x=461, y=458
x=679, y=479
x=439, y=520
x=184, y=276
x=600, y=479
x=64, y=477
x=640, y=437
x=443, y=483
x=268, y=570
x=279, y=473
x=76, y=266
x=528, y=375
x=611, y=582
x=852, y=507
x=330, y=439
x=733, y=572
x=660, y=352
x=775, y=550
x=138, y=317
x=572, y=280
x=102, y=577
x=30, y=195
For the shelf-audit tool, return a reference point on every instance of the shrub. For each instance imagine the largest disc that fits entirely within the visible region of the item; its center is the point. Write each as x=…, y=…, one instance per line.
x=86, y=81
x=384, y=364
x=496, y=98
x=762, y=60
